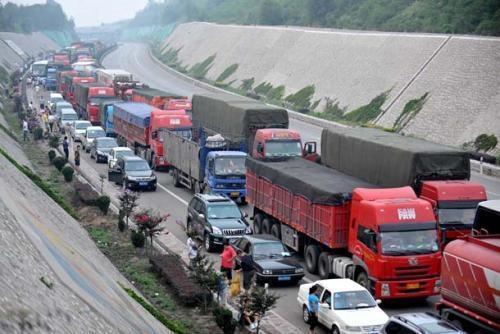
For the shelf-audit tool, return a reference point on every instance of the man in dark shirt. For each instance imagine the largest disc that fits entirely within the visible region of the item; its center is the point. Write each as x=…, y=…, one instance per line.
x=247, y=269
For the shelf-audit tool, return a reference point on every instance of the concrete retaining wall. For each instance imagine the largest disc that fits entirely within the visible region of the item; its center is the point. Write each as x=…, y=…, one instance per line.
x=354, y=67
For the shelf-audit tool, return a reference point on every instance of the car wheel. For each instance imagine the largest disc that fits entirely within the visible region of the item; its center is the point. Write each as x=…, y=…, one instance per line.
x=266, y=225
x=335, y=330
x=324, y=265
x=276, y=231
x=153, y=187
x=362, y=280
x=311, y=257
x=257, y=223
x=305, y=314
x=209, y=247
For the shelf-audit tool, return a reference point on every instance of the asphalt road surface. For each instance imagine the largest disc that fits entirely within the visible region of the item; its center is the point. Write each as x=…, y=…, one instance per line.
x=168, y=199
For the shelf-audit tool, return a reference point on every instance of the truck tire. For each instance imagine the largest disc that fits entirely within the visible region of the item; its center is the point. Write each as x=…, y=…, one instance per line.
x=257, y=223
x=276, y=230
x=324, y=271
x=362, y=279
x=311, y=257
x=266, y=225
x=175, y=175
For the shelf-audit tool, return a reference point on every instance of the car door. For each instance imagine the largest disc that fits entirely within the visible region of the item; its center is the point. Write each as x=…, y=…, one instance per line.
x=202, y=221
x=196, y=210
x=115, y=174
x=325, y=314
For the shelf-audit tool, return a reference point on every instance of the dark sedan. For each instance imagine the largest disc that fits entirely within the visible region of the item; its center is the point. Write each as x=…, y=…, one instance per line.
x=100, y=147
x=273, y=263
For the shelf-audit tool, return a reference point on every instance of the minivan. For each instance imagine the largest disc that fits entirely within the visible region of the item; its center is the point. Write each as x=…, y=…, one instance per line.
x=68, y=116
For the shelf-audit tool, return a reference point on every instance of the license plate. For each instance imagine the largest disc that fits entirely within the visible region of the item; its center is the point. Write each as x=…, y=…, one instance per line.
x=143, y=183
x=412, y=285
x=235, y=194
x=284, y=278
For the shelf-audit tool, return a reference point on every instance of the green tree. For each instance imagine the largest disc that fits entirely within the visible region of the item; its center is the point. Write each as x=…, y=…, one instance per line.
x=485, y=142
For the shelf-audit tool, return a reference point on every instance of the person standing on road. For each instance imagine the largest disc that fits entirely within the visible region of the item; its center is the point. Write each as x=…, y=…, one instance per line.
x=52, y=120
x=192, y=251
x=227, y=260
x=246, y=263
x=313, y=308
x=77, y=156
x=66, y=147
x=25, y=129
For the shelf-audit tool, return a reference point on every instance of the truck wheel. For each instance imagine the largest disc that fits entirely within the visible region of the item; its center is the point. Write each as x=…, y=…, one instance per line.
x=324, y=265
x=208, y=243
x=257, y=223
x=266, y=226
x=175, y=175
x=276, y=231
x=362, y=280
x=312, y=255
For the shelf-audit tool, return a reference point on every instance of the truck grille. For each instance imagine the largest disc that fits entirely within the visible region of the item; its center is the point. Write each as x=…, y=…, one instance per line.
x=234, y=185
x=233, y=231
x=413, y=271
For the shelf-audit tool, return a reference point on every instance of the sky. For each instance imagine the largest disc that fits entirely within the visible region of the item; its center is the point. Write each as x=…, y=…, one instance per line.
x=94, y=12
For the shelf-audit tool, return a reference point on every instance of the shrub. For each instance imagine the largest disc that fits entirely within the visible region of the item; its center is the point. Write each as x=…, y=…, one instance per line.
x=38, y=134
x=224, y=319
x=171, y=269
x=302, y=98
x=68, y=172
x=227, y=73
x=54, y=141
x=247, y=84
x=59, y=162
x=52, y=155
x=199, y=70
x=102, y=203
x=138, y=239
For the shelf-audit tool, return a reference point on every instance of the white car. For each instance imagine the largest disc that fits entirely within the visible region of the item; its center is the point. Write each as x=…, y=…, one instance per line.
x=54, y=98
x=68, y=116
x=77, y=130
x=345, y=307
x=91, y=133
x=117, y=152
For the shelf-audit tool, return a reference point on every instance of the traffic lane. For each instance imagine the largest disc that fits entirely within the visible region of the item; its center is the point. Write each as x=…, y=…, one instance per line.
x=491, y=184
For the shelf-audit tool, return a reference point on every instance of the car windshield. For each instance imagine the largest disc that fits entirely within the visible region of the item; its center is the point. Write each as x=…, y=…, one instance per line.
x=353, y=300
x=136, y=166
x=124, y=153
x=230, y=166
x=82, y=126
x=457, y=216
x=438, y=328
x=69, y=117
x=269, y=249
x=96, y=133
x=409, y=242
x=107, y=143
x=223, y=211
x=283, y=148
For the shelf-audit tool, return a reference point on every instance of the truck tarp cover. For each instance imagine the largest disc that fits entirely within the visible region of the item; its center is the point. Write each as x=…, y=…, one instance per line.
x=151, y=93
x=235, y=117
x=319, y=184
x=138, y=114
x=391, y=160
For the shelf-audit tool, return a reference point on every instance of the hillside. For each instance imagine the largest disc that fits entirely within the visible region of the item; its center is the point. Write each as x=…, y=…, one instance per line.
x=447, y=16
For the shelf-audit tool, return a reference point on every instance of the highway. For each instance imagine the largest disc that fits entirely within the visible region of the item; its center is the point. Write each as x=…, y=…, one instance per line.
x=136, y=59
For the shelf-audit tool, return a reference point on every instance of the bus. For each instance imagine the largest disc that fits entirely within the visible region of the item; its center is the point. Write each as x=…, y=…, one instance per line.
x=39, y=68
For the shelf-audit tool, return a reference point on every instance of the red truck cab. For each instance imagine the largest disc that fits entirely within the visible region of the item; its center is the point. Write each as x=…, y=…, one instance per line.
x=93, y=105
x=62, y=86
x=173, y=120
x=454, y=204
x=273, y=143
x=77, y=80
x=394, y=243
x=178, y=103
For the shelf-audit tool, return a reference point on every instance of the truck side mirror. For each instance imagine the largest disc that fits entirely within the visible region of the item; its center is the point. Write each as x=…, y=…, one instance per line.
x=260, y=148
x=310, y=147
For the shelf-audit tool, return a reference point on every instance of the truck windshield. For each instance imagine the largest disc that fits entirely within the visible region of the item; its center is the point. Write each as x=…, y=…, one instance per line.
x=457, y=216
x=409, y=242
x=223, y=211
x=230, y=166
x=352, y=300
x=136, y=166
x=283, y=148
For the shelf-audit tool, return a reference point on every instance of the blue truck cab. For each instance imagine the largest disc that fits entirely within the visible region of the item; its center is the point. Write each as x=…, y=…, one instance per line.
x=225, y=174
x=106, y=116
x=50, y=82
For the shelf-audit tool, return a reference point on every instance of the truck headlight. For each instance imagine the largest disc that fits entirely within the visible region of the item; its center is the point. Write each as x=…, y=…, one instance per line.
x=353, y=328
x=385, y=290
x=216, y=230
x=267, y=272
x=299, y=270
x=437, y=286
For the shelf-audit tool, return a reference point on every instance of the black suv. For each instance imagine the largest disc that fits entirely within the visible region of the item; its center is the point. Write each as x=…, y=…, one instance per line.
x=214, y=218
x=132, y=172
x=419, y=323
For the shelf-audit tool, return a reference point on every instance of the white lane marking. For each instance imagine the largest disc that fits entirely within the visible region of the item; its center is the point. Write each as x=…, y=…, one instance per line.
x=306, y=279
x=173, y=194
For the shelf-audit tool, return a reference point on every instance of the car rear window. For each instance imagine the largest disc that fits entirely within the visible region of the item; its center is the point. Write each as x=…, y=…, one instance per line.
x=438, y=328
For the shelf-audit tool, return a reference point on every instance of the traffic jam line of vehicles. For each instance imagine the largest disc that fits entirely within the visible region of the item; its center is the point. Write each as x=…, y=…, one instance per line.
x=388, y=216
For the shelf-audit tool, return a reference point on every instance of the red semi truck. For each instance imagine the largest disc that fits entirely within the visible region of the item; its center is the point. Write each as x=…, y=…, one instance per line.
x=439, y=174
x=385, y=239
x=138, y=125
x=161, y=99
x=471, y=275
x=70, y=87
x=62, y=85
x=88, y=97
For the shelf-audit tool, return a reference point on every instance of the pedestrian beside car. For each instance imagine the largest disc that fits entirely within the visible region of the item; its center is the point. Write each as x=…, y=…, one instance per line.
x=65, y=145
x=246, y=264
x=227, y=260
x=313, y=308
x=193, y=254
x=25, y=129
x=77, y=156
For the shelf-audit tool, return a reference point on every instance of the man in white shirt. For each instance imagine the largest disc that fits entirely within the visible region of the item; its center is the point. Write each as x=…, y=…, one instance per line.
x=25, y=130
